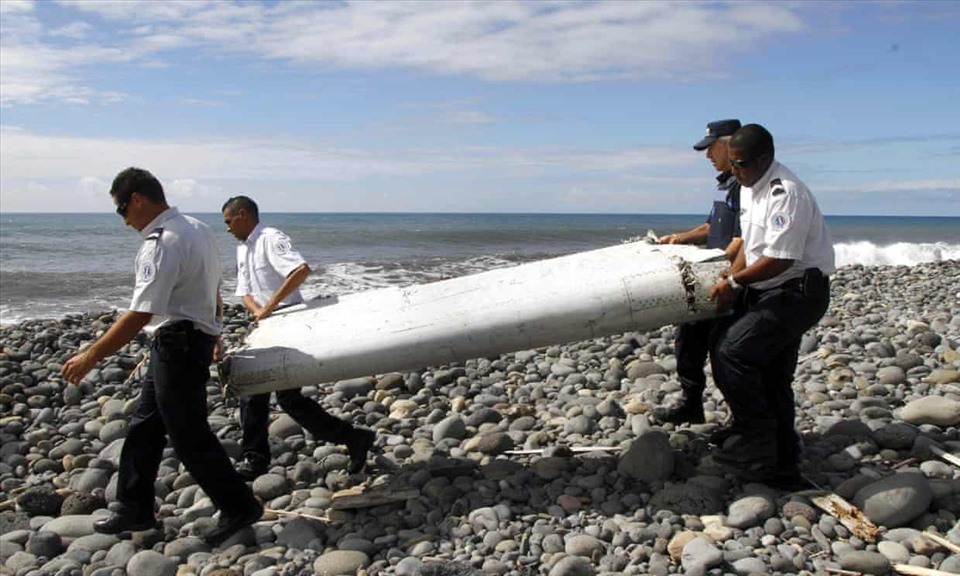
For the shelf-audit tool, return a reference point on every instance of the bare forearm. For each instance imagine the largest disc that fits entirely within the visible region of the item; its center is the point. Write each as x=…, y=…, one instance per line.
x=290, y=283
x=763, y=269
x=696, y=235
x=734, y=253
x=122, y=332
x=251, y=305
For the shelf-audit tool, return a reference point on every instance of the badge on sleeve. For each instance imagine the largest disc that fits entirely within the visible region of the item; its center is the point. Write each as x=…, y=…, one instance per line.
x=282, y=245
x=147, y=261
x=146, y=272
x=779, y=221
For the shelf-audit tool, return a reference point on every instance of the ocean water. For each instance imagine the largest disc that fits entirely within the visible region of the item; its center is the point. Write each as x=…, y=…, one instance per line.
x=55, y=264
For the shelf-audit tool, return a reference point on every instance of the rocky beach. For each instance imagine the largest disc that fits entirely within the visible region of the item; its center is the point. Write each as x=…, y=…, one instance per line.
x=542, y=461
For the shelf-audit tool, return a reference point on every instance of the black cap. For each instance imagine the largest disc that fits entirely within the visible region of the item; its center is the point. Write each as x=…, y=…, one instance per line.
x=715, y=130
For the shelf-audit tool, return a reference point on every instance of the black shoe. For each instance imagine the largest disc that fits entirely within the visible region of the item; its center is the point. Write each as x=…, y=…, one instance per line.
x=125, y=520
x=251, y=468
x=720, y=435
x=231, y=524
x=688, y=410
x=358, y=444
x=749, y=448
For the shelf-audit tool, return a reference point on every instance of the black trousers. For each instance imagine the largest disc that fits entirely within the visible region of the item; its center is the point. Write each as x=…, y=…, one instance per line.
x=173, y=403
x=255, y=420
x=690, y=347
x=754, y=354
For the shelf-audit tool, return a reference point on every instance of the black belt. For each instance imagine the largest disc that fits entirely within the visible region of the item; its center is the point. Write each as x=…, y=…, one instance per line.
x=795, y=284
x=798, y=284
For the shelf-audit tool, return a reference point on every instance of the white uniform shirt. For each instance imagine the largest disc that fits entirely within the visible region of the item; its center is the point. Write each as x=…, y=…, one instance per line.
x=178, y=273
x=780, y=219
x=264, y=260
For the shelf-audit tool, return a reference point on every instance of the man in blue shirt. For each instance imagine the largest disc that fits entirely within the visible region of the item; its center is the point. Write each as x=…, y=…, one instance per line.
x=721, y=230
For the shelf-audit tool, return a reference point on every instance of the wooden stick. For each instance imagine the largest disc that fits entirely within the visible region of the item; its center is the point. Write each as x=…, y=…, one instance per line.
x=136, y=369
x=942, y=541
x=575, y=450
x=909, y=570
x=849, y=515
x=945, y=455
x=299, y=515
x=842, y=572
x=907, y=462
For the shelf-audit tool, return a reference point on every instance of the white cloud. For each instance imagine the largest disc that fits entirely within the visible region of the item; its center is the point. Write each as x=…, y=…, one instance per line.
x=946, y=184
x=184, y=188
x=195, y=169
x=25, y=155
x=76, y=31
x=498, y=41
x=92, y=187
x=8, y=7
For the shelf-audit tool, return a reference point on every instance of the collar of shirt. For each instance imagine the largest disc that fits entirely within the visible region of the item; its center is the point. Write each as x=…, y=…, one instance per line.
x=763, y=182
x=160, y=219
x=254, y=234
x=725, y=181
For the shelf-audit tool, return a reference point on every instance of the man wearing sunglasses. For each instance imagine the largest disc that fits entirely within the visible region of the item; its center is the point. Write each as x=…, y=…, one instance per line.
x=176, y=301
x=778, y=289
x=269, y=275
x=718, y=231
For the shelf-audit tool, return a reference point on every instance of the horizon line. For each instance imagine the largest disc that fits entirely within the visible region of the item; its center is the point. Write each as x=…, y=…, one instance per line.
x=470, y=213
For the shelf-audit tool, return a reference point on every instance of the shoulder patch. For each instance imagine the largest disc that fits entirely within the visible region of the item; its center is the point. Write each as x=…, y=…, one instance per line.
x=146, y=272
x=779, y=221
x=155, y=234
x=282, y=245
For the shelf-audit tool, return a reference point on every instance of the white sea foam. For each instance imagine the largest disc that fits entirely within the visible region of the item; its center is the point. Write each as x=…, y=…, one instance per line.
x=897, y=254
x=349, y=277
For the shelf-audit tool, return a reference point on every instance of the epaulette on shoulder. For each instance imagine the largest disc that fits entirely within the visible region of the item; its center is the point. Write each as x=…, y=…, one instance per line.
x=155, y=234
x=776, y=187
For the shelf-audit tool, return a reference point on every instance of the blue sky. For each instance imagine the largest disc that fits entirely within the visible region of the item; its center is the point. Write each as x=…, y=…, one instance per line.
x=474, y=107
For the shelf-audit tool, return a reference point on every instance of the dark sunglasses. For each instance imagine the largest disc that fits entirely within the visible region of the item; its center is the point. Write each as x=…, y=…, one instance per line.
x=122, y=208
x=741, y=164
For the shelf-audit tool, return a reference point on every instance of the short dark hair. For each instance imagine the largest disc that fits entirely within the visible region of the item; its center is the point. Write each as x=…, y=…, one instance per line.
x=753, y=139
x=241, y=203
x=140, y=181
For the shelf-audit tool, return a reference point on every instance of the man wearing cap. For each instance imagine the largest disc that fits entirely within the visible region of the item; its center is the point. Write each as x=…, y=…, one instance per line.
x=780, y=292
x=719, y=231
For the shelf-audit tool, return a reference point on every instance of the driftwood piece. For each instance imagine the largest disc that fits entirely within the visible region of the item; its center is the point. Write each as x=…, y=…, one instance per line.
x=945, y=455
x=909, y=570
x=849, y=515
x=369, y=496
x=841, y=571
x=942, y=541
x=136, y=370
x=575, y=450
x=323, y=519
x=904, y=464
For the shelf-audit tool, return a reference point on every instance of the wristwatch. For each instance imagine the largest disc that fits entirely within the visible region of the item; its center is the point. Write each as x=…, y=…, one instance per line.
x=733, y=283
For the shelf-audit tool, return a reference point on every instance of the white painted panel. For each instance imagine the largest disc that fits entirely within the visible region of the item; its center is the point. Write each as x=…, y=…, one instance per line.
x=636, y=286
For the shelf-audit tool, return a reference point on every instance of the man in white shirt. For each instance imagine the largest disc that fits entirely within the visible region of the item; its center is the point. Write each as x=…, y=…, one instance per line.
x=779, y=290
x=269, y=275
x=176, y=301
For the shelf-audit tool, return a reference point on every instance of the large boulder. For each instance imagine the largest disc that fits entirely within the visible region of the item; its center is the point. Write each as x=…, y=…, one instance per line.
x=895, y=500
